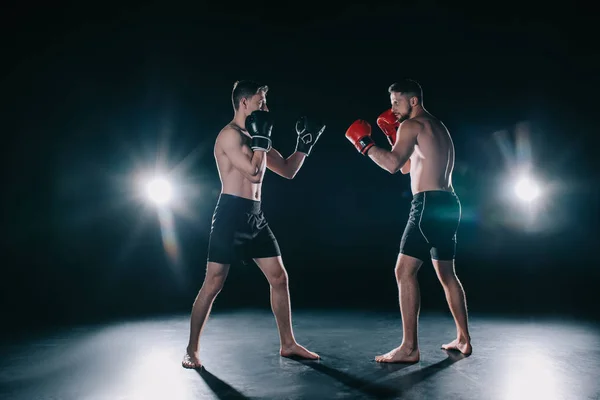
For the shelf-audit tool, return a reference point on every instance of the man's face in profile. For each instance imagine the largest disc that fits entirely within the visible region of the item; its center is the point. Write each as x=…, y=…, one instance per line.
x=257, y=102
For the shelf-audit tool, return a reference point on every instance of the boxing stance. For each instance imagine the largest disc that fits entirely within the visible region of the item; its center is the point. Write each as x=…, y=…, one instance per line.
x=240, y=231
x=421, y=145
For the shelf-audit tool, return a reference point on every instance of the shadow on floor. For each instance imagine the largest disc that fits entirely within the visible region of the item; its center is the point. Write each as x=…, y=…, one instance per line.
x=392, y=387
x=220, y=388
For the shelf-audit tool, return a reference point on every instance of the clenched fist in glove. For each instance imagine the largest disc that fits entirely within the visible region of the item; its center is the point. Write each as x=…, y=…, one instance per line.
x=389, y=124
x=259, y=125
x=308, y=133
x=359, y=134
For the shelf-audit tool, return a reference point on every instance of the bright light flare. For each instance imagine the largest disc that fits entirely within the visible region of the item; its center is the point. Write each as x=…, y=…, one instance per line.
x=159, y=190
x=527, y=189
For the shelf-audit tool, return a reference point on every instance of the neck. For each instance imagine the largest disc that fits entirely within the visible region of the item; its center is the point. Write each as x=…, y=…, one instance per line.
x=239, y=120
x=417, y=111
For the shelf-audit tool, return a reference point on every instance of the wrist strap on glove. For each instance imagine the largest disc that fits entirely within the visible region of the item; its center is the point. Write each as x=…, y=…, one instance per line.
x=261, y=143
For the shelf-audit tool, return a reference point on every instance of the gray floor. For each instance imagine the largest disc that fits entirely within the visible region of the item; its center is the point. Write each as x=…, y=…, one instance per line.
x=512, y=359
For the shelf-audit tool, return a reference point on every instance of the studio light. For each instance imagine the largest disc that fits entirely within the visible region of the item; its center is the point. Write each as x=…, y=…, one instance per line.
x=159, y=191
x=527, y=189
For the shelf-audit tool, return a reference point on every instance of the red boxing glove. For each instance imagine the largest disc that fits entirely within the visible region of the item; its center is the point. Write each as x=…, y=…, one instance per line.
x=389, y=124
x=359, y=134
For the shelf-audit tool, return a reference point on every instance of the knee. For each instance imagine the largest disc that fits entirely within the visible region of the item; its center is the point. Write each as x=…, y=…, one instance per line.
x=213, y=284
x=279, y=279
x=403, y=272
x=407, y=267
x=447, y=278
x=445, y=272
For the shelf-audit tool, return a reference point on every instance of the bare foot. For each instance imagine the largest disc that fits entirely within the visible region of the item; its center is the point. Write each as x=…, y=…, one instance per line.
x=297, y=351
x=400, y=354
x=191, y=361
x=462, y=345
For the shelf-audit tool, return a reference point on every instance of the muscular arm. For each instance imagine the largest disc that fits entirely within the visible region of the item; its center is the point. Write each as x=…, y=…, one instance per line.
x=285, y=167
x=233, y=144
x=406, y=168
x=398, y=159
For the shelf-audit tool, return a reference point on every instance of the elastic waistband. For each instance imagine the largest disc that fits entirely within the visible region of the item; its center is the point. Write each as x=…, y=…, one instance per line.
x=239, y=203
x=434, y=194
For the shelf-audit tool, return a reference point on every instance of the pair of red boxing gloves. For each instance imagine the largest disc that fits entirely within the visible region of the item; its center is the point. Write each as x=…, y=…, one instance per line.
x=359, y=133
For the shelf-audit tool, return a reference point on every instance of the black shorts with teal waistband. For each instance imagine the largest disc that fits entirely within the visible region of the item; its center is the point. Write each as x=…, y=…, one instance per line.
x=240, y=232
x=432, y=225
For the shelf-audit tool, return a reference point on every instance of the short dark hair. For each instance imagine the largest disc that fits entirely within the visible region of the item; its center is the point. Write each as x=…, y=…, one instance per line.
x=245, y=89
x=408, y=87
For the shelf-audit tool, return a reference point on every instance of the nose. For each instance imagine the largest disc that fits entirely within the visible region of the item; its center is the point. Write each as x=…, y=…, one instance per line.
x=265, y=108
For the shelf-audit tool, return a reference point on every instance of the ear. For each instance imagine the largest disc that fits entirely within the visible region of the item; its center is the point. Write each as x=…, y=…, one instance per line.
x=414, y=101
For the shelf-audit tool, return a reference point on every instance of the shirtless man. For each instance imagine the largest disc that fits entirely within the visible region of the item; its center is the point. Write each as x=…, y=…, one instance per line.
x=239, y=228
x=422, y=146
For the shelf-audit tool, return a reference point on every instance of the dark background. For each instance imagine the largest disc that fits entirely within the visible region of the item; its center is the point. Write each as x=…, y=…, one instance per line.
x=93, y=94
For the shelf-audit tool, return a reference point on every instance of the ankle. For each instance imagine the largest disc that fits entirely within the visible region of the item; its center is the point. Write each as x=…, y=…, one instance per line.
x=287, y=343
x=463, y=338
x=410, y=346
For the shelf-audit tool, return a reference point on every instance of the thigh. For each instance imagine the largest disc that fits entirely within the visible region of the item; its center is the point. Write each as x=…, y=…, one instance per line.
x=216, y=270
x=407, y=265
x=439, y=224
x=263, y=243
x=413, y=243
x=272, y=268
x=226, y=236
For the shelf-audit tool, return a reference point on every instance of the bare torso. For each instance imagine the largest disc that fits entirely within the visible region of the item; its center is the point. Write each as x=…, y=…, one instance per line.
x=232, y=180
x=432, y=161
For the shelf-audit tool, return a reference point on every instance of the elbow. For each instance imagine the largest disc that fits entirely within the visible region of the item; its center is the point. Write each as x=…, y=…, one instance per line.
x=398, y=165
x=394, y=168
x=291, y=175
x=288, y=172
x=256, y=176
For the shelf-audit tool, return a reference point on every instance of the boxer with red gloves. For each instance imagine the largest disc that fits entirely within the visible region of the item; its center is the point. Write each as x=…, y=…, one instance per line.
x=418, y=136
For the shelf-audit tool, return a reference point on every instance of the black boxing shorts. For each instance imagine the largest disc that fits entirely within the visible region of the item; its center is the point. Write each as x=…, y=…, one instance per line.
x=432, y=226
x=240, y=232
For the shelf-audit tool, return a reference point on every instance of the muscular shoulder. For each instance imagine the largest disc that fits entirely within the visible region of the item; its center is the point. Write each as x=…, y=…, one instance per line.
x=230, y=136
x=411, y=127
x=413, y=123
x=432, y=126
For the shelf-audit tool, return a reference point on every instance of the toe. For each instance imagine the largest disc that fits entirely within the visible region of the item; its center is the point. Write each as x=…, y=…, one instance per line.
x=188, y=363
x=191, y=365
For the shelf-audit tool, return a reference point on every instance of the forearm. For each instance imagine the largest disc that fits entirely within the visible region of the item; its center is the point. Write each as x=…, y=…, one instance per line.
x=386, y=159
x=293, y=164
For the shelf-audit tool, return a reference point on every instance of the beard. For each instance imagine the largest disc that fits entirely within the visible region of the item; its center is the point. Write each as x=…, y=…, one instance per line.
x=404, y=116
